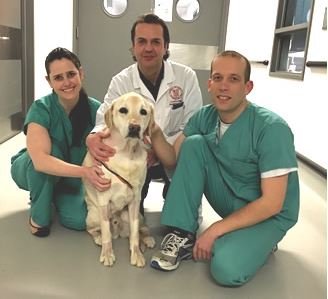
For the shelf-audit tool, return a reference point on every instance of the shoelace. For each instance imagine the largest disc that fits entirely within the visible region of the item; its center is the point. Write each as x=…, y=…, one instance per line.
x=172, y=243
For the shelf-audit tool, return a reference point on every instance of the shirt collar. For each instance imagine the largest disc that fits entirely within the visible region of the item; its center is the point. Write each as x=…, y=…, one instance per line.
x=153, y=89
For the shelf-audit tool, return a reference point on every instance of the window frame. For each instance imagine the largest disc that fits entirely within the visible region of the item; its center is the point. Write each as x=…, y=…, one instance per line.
x=282, y=31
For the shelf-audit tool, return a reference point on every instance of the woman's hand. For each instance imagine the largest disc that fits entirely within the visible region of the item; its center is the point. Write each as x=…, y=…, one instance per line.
x=94, y=175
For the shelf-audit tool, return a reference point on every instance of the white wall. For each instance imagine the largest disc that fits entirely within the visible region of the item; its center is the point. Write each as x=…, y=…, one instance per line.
x=53, y=27
x=250, y=30
x=303, y=104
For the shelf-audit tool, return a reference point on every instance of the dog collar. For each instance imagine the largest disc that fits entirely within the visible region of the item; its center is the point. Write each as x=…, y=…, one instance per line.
x=122, y=179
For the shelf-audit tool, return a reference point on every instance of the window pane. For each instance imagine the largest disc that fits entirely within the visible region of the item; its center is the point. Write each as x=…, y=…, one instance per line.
x=297, y=12
x=115, y=8
x=292, y=52
x=187, y=10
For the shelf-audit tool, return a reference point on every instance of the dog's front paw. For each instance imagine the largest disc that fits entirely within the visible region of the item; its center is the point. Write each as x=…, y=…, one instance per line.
x=107, y=256
x=149, y=242
x=137, y=258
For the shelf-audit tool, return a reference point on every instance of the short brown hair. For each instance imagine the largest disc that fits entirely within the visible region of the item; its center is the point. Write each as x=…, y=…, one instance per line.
x=231, y=53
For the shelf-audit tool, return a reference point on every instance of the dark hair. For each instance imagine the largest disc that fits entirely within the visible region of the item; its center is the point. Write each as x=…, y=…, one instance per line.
x=80, y=116
x=231, y=53
x=152, y=19
x=60, y=53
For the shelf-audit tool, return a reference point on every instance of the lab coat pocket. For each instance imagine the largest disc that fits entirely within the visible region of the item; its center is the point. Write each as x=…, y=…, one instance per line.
x=176, y=116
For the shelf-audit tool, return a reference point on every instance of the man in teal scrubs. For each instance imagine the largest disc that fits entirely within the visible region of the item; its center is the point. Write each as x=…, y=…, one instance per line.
x=242, y=158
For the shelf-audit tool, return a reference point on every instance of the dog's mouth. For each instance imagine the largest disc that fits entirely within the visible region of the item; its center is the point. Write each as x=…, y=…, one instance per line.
x=134, y=131
x=133, y=135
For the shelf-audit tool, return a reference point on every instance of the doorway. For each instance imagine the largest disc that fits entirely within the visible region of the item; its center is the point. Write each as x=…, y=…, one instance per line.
x=103, y=41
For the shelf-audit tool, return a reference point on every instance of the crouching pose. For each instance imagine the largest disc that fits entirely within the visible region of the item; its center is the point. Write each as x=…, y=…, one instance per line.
x=242, y=158
x=56, y=126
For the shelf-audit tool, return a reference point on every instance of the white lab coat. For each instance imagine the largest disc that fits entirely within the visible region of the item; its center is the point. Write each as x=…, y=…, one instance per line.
x=179, y=96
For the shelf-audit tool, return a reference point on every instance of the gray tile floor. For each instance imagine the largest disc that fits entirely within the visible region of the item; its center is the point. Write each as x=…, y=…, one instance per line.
x=65, y=264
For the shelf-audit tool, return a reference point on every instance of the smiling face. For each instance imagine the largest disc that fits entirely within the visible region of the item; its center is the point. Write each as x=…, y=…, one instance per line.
x=66, y=81
x=228, y=88
x=149, y=47
x=131, y=115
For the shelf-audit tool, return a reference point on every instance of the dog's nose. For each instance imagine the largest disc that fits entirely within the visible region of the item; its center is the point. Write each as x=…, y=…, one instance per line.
x=134, y=130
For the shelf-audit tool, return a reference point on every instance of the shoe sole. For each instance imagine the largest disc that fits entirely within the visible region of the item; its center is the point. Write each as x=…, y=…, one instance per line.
x=155, y=265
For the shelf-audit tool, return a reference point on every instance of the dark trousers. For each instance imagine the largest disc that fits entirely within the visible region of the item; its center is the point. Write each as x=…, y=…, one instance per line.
x=155, y=172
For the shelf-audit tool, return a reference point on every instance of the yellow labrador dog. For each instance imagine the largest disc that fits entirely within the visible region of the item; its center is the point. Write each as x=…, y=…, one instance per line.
x=115, y=212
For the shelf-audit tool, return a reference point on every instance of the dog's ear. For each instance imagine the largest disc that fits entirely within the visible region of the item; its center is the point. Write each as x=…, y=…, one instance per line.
x=151, y=120
x=109, y=117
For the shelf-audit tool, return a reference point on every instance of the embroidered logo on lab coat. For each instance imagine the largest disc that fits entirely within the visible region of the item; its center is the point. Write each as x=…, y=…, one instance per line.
x=175, y=93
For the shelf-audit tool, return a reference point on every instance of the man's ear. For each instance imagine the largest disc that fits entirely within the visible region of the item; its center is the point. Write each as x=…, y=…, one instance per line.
x=209, y=83
x=249, y=87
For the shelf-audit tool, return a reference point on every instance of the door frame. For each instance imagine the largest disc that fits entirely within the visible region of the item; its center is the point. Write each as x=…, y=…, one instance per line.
x=26, y=93
x=27, y=21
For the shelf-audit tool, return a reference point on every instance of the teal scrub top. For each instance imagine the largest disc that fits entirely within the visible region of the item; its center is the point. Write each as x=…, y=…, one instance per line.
x=49, y=113
x=257, y=141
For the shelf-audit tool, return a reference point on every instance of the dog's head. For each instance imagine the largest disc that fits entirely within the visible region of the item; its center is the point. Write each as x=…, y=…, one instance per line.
x=132, y=115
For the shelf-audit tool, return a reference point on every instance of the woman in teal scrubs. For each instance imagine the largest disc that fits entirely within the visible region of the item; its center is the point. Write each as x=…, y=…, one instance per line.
x=242, y=158
x=56, y=126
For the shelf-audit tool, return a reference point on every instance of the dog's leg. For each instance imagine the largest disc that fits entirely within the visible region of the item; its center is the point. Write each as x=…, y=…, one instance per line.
x=93, y=224
x=137, y=258
x=107, y=256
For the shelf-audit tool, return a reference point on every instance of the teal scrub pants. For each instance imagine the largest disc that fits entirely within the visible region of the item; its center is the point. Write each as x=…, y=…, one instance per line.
x=66, y=194
x=236, y=256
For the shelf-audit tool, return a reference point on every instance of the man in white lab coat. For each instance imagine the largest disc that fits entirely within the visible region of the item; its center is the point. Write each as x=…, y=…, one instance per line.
x=172, y=87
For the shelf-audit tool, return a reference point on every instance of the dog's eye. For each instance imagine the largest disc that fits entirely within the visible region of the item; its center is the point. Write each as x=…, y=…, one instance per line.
x=123, y=110
x=143, y=112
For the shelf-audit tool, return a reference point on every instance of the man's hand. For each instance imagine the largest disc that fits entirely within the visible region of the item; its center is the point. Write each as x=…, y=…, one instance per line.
x=204, y=243
x=97, y=149
x=151, y=157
